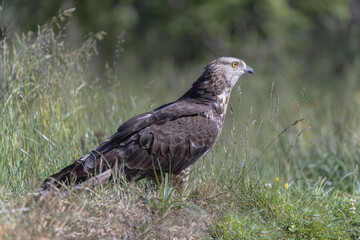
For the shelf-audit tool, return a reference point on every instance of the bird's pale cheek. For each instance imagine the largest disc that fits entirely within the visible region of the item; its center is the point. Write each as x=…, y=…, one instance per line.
x=234, y=80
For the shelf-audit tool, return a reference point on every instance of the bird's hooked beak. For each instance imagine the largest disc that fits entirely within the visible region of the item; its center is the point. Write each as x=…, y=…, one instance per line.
x=249, y=69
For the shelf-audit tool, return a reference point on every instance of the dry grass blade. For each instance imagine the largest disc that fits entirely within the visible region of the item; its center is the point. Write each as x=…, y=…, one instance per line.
x=272, y=141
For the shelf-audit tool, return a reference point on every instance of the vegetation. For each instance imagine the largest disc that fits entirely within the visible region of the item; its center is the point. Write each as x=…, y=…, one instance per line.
x=272, y=175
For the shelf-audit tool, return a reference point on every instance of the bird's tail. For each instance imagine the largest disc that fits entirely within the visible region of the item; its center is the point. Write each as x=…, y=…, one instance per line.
x=91, y=166
x=65, y=176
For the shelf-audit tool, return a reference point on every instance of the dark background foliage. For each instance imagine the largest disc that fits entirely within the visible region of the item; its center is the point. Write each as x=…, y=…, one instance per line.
x=320, y=37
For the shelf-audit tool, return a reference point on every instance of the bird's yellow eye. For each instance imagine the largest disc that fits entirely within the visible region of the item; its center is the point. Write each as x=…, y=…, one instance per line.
x=234, y=64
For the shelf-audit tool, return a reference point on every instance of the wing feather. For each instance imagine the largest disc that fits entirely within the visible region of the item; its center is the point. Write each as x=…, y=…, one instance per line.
x=174, y=143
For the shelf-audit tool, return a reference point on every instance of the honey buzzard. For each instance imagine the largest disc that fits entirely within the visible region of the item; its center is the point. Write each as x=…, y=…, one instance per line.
x=169, y=138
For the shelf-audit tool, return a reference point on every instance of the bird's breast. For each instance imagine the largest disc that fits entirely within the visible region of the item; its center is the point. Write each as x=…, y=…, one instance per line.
x=219, y=107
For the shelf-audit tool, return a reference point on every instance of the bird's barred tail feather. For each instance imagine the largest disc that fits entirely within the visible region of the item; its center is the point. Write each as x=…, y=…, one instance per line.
x=81, y=170
x=56, y=179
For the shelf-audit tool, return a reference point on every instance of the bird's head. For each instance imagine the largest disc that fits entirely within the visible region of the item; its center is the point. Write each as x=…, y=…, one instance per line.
x=230, y=68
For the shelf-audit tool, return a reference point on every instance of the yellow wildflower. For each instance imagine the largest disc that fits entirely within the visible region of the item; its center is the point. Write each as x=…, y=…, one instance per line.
x=286, y=185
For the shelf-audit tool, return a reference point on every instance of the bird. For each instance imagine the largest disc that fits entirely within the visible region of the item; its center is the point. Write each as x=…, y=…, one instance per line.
x=169, y=138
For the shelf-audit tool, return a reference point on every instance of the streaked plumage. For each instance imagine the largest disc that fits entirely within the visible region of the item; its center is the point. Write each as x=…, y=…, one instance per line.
x=171, y=137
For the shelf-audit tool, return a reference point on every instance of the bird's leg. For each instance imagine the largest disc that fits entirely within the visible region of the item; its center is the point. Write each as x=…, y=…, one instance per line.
x=181, y=180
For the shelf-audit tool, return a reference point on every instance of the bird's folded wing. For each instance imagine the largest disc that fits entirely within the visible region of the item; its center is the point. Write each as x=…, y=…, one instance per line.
x=173, y=137
x=173, y=145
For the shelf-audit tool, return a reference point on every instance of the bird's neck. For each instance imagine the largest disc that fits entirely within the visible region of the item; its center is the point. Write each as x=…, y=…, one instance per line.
x=220, y=105
x=207, y=88
x=212, y=92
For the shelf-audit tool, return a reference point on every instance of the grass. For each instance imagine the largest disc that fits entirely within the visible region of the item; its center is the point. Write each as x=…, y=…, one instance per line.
x=266, y=178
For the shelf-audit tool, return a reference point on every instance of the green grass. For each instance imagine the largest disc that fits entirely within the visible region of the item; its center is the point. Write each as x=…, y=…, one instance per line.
x=259, y=181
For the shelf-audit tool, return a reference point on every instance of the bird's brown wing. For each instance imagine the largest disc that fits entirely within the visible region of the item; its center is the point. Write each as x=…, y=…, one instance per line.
x=171, y=137
x=174, y=135
x=172, y=145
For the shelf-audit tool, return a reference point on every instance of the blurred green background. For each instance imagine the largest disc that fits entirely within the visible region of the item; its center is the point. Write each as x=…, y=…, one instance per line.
x=321, y=39
x=310, y=44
